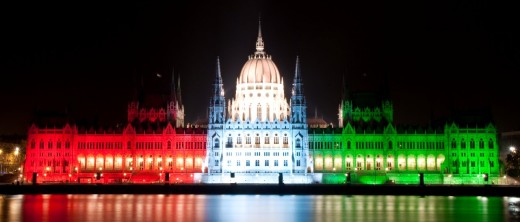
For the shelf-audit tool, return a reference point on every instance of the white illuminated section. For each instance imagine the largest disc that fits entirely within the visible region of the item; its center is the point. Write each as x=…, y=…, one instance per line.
x=259, y=93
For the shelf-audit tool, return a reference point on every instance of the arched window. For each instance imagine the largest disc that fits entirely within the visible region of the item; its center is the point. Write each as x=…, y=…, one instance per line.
x=216, y=143
x=129, y=145
x=390, y=145
x=472, y=144
x=298, y=143
x=229, y=141
x=169, y=145
x=490, y=144
x=348, y=145
x=463, y=144
x=481, y=143
x=453, y=144
x=67, y=144
x=239, y=139
x=58, y=145
x=49, y=145
x=267, y=113
x=33, y=144
x=250, y=111
x=259, y=112
x=41, y=144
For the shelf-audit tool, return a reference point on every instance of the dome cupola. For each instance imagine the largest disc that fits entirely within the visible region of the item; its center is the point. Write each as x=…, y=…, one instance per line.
x=259, y=67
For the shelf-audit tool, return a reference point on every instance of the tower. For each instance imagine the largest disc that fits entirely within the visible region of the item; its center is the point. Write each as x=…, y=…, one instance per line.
x=345, y=107
x=299, y=122
x=179, y=120
x=175, y=108
x=298, y=105
x=216, y=118
x=171, y=108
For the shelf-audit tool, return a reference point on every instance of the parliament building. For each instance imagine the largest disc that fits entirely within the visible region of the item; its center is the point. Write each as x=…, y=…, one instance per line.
x=262, y=136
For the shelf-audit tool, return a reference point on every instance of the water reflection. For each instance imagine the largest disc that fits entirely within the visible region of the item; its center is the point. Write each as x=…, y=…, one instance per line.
x=256, y=208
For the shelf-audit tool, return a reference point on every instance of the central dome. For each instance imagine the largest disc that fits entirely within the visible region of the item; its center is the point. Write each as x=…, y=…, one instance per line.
x=259, y=93
x=259, y=69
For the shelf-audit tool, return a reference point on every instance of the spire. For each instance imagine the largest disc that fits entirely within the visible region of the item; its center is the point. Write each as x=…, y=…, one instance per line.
x=141, y=93
x=346, y=91
x=259, y=40
x=218, y=75
x=298, y=106
x=172, y=87
x=179, y=99
x=297, y=84
x=217, y=107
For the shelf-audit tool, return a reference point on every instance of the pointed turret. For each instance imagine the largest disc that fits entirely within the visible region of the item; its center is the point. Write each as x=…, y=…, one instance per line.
x=217, y=106
x=345, y=107
x=345, y=94
x=259, y=40
x=133, y=105
x=297, y=83
x=179, y=97
x=175, y=109
x=298, y=105
x=171, y=109
x=387, y=105
x=173, y=95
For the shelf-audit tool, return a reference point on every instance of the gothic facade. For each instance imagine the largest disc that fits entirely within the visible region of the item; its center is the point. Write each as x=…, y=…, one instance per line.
x=258, y=136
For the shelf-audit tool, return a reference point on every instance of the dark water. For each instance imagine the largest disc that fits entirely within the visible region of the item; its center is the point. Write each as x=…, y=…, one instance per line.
x=256, y=208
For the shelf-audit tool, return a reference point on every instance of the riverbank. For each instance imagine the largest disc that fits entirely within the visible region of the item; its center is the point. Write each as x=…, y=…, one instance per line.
x=314, y=189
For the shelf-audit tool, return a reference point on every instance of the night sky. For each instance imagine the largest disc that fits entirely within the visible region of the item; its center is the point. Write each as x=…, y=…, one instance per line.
x=88, y=58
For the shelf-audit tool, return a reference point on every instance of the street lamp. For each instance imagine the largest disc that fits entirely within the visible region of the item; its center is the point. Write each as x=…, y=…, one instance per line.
x=160, y=174
x=16, y=152
x=76, y=174
x=512, y=149
x=47, y=169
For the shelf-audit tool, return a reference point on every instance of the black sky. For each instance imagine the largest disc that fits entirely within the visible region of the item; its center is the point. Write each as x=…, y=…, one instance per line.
x=438, y=56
